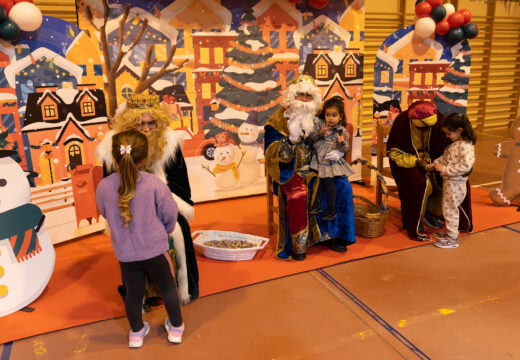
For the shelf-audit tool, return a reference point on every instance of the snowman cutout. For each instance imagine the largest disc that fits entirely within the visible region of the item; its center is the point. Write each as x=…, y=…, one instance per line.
x=249, y=169
x=26, y=252
x=225, y=171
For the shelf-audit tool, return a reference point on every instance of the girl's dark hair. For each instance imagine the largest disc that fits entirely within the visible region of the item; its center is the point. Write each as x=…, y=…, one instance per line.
x=455, y=121
x=337, y=102
x=127, y=162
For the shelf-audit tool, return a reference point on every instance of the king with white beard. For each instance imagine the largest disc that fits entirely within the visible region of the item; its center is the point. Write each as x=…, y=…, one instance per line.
x=288, y=154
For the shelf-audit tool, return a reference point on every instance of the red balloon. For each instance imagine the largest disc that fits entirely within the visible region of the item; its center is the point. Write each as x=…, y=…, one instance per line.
x=7, y=4
x=467, y=15
x=443, y=27
x=318, y=4
x=435, y=3
x=423, y=9
x=456, y=19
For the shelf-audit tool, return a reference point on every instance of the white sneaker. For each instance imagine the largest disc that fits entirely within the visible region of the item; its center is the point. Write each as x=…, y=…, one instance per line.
x=136, y=338
x=174, y=333
x=447, y=243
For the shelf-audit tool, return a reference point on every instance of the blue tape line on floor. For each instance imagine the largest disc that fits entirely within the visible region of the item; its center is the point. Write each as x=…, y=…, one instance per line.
x=374, y=316
x=6, y=352
x=510, y=228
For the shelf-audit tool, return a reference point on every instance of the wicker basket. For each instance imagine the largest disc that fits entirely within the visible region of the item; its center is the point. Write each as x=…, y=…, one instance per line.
x=370, y=219
x=200, y=237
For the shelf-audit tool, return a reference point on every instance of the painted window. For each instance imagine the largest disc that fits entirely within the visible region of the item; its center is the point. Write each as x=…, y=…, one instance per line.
x=276, y=76
x=219, y=55
x=321, y=70
x=290, y=75
x=67, y=85
x=275, y=41
x=84, y=68
x=400, y=67
x=98, y=69
x=88, y=107
x=126, y=92
x=385, y=77
x=180, y=38
x=160, y=52
x=194, y=31
x=350, y=70
x=428, y=79
x=204, y=55
x=417, y=78
x=440, y=75
x=206, y=91
x=289, y=38
x=180, y=78
x=49, y=111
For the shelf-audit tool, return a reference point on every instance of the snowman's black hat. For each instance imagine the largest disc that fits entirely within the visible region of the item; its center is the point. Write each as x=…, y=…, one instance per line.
x=252, y=118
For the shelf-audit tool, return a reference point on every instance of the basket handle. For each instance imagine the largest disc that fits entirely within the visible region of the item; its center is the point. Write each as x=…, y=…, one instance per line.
x=263, y=244
x=384, y=188
x=195, y=234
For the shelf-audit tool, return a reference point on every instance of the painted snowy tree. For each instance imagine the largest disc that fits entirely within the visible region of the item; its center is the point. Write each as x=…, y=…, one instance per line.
x=453, y=96
x=246, y=83
x=124, y=47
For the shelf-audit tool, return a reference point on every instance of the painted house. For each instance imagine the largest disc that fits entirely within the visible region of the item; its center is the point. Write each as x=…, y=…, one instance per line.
x=175, y=98
x=339, y=74
x=41, y=67
x=63, y=127
x=210, y=59
x=426, y=79
x=278, y=21
x=84, y=53
x=353, y=19
x=190, y=17
x=321, y=33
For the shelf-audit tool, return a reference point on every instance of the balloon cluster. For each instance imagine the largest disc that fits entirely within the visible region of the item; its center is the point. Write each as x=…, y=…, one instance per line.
x=16, y=15
x=434, y=17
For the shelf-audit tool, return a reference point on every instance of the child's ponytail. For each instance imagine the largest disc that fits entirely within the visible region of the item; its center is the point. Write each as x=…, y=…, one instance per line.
x=129, y=149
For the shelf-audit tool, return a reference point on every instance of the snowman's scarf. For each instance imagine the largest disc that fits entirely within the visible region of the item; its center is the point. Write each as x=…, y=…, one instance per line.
x=19, y=226
x=223, y=168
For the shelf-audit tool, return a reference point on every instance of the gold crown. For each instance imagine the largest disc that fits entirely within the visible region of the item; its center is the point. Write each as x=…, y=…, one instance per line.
x=143, y=101
x=302, y=79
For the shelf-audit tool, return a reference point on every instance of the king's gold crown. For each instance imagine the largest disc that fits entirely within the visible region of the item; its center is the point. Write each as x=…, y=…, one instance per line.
x=143, y=101
x=302, y=79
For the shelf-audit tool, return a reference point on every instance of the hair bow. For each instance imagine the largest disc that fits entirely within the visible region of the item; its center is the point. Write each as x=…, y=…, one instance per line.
x=125, y=149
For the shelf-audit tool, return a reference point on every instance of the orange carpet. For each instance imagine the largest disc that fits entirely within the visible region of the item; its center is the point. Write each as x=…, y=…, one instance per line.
x=83, y=286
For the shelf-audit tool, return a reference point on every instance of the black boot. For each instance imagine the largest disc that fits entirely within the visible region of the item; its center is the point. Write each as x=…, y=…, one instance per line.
x=299, y=257
x=336, y=245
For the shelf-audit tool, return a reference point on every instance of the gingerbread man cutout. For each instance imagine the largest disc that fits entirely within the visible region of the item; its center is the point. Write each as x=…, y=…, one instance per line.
x=510, y=189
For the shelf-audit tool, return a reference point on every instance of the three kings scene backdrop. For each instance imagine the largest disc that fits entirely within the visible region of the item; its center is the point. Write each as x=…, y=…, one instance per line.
x=220, y=67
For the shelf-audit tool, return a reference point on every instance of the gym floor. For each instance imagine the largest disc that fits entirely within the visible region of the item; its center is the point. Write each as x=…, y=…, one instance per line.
x=420, y=303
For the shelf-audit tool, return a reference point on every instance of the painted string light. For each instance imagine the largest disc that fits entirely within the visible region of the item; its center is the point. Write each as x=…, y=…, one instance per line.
x=267, y=106
x=251, y=66
x=224, y=126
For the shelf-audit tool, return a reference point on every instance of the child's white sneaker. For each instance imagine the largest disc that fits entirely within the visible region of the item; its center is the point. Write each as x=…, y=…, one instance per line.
x=174, y=333
x=447, y=243
x=136, y=338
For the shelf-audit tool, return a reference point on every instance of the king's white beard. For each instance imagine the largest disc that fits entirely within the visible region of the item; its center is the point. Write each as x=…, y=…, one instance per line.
x=302, y=112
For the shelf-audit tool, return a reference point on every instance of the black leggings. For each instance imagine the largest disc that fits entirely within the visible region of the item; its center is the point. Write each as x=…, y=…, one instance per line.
x=330, y=191
x=160, y=271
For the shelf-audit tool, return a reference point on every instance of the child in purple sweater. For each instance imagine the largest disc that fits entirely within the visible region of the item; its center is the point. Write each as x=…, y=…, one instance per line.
x=140, y=212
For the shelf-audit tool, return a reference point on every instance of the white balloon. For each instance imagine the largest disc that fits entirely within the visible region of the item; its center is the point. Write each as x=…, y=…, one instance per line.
x=424, y=27
x=450, y=9
x=26, y=15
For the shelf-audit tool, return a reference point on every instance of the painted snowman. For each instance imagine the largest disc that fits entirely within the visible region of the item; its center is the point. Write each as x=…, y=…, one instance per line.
x=225, y=170
x=249, y=169
x=26, y=252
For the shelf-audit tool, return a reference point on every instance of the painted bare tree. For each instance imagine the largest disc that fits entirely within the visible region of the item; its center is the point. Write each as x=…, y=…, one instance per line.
x=146, y=79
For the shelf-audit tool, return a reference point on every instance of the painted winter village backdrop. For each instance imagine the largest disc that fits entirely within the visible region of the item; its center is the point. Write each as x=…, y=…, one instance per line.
x=219, y=65
x=409, y=68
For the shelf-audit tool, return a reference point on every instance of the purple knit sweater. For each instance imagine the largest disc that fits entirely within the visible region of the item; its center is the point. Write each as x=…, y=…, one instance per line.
x=154, y=214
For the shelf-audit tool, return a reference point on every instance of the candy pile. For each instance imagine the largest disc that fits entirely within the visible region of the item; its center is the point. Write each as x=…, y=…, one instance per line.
x=230, y=244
